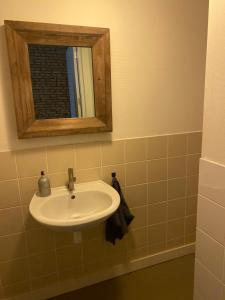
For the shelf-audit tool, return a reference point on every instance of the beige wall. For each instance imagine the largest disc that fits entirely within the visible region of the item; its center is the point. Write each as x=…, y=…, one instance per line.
x=157, y=54
x=214, y=107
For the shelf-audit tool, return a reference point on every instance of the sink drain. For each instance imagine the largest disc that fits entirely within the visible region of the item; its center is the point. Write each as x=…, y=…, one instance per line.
x=73, y=197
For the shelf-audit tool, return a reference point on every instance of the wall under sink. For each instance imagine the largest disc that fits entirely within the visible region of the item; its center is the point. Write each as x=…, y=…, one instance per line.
x=158, y=63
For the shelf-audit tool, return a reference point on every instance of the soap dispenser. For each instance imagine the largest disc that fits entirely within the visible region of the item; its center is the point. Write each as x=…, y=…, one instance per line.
x=44, y=185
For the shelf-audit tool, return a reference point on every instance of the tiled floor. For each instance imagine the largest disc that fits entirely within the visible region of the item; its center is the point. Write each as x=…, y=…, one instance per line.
x=172, y=280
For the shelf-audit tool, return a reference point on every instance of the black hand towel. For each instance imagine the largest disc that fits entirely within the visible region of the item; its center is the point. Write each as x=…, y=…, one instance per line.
x=117, y=224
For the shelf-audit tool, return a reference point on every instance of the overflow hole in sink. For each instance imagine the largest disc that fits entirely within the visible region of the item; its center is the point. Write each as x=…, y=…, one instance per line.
x=73, y=197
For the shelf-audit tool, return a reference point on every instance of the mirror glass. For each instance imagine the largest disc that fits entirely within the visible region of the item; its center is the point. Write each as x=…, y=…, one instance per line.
x=62, y=81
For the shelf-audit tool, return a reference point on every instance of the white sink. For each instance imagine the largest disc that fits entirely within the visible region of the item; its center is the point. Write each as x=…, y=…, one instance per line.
x=94, y=202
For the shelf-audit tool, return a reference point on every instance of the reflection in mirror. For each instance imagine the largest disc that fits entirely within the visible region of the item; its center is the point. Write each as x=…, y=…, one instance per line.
x=62, y=81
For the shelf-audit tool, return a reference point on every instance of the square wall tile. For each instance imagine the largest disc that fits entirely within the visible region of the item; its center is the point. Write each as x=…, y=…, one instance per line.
x=223, y=292
x=42, y=264
x=40, y=240
x=194, y=142
x=113, y=153
x=211, y=219
x=9, y=194
x=212, y=175
x=137, y=238
x=156, y=248
x=157, y=147
x=69, y=257
x=206, y=284
x=210, y=253
x=157, y=170
x=176, y=188
x=136, y=195
x=190, y=238
x=177, y=242
x=11, y=221
x=96, y=232
x=116, y=254
x=136, y=173
x=28, y=187
x=88, y=155
x=192, y=185
x=175, y=229
x=120, y=174
x=59, y=179
x=193, y=164
x=93, y=251
x=191, y=205
x=60, y=158
x=140, y=219
x=86, y=175
x=28, y=220
x=157, y=213
x=8, y=166
x=49, y=281
x=177, y=167
x=176, y=209
x=90, y=268
x=190, y=225
x=223, y=273
x=135, y=150
x=70, y=274
x=12, y=246
x=13, y=271
x=16, y=290
x=157, y=234
x=137, y=253
x=177, y=145
x=31, y=162
x=63, y=238
x=157, y=192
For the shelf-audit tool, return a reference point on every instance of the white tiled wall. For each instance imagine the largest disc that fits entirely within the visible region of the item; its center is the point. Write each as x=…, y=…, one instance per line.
x=210, y=247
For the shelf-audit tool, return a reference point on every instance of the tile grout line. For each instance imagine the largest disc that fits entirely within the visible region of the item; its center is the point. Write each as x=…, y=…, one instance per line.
x=186, y=190
x=110, y=165
x=148, y=194
x=167, y=191
x=74, y=159
x=119, y=164
x=125, y=187
x=26, y=257
x=56, y=259
x=102, y=141
x=46, y=159
x=82, y=240
x=101, y=159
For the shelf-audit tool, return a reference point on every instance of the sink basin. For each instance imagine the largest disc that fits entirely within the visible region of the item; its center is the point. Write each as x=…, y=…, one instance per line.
x=89, y=204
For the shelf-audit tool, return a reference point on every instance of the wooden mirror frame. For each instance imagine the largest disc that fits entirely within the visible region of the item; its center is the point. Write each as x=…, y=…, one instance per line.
x=19, y=35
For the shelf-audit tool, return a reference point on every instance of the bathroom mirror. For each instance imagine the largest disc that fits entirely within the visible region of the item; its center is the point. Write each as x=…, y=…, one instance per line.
x=62, y=81
x=60, y=77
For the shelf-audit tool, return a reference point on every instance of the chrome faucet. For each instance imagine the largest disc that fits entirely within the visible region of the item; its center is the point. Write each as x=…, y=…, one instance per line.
x=72, y=179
